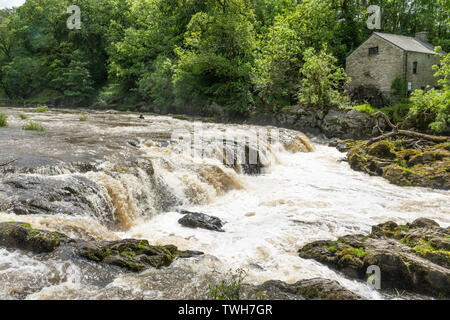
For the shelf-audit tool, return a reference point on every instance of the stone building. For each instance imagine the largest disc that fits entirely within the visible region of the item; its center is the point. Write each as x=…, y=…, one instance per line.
x=383, y=57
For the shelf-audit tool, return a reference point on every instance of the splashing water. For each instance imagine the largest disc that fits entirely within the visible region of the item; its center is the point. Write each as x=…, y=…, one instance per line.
x=299, y=198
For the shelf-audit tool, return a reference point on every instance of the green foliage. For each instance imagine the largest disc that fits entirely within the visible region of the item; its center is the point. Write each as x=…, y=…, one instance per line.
x=83, y=119
x=42, y=109
x=3, y=120
x=33, y=126
x=230, y=288
x=23, y=116
x=157, y=86
x=367, y=108
x=398, y=86
x=277, y=65
x=435, y=102
x=322, y=83
x=241, y=54
x=398, y=112
x=216, y=63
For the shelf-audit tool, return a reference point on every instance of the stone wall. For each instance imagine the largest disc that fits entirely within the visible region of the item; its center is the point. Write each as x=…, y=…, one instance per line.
x=425, y=73
x=375, y=70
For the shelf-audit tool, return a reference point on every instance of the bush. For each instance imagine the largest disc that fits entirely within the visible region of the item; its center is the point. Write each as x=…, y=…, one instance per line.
x=230, y=288
x=367, y=108
x=435, y=103
x=157, y=86
x=398, y=112
x=23, y=116
x=398, y=86
x=33, y=126
x=322, y=83
x=83, y=119
x=3, y=120
x=42, y=109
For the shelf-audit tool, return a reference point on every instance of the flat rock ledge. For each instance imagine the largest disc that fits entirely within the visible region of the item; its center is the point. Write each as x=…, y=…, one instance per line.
x=401, y=162
x=309, y=289
x=414, y=257
x=131, y=254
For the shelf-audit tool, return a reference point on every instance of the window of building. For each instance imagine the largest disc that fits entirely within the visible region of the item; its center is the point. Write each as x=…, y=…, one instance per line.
x=414, y=67
x=373, y=51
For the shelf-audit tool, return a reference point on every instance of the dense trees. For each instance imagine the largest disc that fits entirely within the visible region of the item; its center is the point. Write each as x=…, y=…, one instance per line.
x=241, y=54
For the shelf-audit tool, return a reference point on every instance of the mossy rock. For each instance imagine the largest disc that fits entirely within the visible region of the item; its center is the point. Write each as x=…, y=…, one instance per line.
x=382, y=149
x=429, y=167
x=412, y=257
x=131, y=254
x=19, y=235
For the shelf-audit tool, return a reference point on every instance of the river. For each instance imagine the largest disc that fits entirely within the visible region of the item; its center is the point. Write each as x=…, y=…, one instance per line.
x=298, y=198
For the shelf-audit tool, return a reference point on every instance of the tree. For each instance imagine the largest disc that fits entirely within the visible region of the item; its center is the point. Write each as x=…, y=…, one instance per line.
x=216, y=63
x=435, y=102
x=322, y=83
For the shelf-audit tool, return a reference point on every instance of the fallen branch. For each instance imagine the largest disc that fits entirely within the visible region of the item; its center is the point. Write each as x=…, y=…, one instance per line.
x=408, y=133
x=8, y=162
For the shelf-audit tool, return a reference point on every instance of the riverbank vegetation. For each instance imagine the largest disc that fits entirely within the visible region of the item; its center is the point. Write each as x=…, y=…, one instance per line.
x=195, y=55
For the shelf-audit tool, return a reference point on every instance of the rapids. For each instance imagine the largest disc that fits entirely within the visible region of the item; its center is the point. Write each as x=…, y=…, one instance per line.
x=298, y=198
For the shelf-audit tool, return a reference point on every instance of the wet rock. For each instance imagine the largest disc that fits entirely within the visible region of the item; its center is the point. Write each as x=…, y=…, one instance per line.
x=428, y=166
x=201, y=220
x=18, y=235
x=424, y=222
x=131, y=254
x=64, y=194
x=336, y=123
x=134, y=255
x=309, y=289
x=189, y=254
x=412, y=257
x=300, y=143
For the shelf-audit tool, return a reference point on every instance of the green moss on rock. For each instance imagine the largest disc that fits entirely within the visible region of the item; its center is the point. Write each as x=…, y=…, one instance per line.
x=19, y=235
x=426, y=167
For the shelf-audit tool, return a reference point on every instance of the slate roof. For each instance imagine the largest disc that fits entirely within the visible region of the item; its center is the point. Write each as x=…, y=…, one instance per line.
x=407, y=43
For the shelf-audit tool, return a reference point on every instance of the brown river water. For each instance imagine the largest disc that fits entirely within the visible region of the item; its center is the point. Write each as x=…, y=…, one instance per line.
x=298, y=198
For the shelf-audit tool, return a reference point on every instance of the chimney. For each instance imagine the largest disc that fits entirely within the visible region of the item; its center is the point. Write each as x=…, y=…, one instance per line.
x=422, y=36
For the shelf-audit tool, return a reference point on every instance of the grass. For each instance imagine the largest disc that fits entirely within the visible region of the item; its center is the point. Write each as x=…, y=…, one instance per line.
x=367, y=108
x=42, y=109
x=398, y=112
x=23, y=116
x=83, y=119
x=230, y=288
x=332, y=249
x=3, y=120
x=33, y=126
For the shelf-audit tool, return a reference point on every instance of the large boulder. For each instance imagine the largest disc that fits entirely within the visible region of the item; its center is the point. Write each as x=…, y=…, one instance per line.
x=134, y=255
x=412, y=257
x=333, y=123
x=403, y=164
x=19, y=235
x=201, y=220
x=309, y=289
x=130, y=254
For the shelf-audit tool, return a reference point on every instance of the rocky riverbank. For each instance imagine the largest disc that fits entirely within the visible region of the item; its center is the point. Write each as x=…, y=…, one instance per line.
x=403, y=162
x=131, y=254
x=136, y=255
x=413, y=257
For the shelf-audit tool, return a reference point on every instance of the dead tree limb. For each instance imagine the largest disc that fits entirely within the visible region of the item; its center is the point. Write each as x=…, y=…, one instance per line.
x=408, y=133
x=8, y=162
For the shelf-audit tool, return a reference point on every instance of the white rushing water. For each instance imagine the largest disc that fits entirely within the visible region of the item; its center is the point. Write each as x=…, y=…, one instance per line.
x=300, y=198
